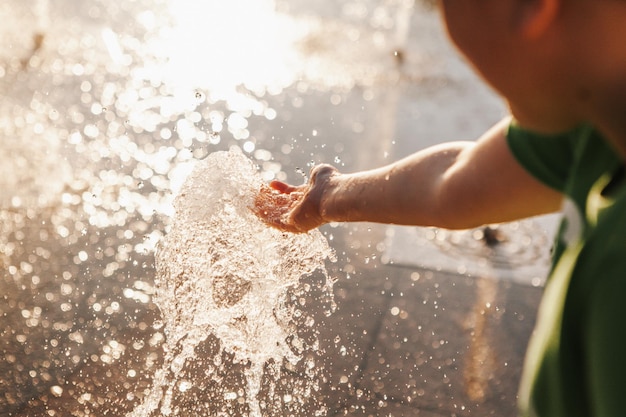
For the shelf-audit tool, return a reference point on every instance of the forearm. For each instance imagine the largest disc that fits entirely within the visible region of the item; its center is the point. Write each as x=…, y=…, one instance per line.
x=405, y=192
x=453, y=185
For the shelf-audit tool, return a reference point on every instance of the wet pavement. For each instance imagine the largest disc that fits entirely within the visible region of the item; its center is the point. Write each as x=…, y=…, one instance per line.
x=102, y=114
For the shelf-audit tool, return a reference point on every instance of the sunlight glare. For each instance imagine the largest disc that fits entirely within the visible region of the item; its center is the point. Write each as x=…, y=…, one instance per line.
x=220, y=45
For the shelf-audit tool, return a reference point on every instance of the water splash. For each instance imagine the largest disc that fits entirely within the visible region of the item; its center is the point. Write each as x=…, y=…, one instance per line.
x=224, y=276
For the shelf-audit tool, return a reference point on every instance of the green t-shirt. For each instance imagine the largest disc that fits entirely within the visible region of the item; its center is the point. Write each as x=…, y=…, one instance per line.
x=576, y=360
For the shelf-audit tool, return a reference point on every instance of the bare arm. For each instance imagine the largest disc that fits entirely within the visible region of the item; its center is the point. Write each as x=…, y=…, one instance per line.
x=454, y=185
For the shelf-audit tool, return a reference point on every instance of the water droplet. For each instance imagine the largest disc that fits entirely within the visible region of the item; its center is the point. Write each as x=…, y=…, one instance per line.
x=214, y=138
x=201, y=152
x=184, y=386
x=56, y=390
x=301, y=172
x=200, y=97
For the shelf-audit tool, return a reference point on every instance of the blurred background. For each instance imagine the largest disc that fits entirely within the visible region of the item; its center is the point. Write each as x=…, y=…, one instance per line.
x=104, y=108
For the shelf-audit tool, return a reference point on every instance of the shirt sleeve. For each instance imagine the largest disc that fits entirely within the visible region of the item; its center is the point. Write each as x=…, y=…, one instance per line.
x=547, y=157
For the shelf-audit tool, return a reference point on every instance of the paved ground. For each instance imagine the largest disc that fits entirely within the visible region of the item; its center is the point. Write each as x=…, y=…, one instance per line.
x=436, y=343
x=402, y=342
x=82, y=202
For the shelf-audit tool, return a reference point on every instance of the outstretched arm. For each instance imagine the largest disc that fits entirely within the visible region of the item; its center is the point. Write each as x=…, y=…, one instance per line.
x=455, y=185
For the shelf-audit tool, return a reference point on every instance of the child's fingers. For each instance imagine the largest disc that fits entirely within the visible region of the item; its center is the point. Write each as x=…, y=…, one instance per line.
x=282, y=187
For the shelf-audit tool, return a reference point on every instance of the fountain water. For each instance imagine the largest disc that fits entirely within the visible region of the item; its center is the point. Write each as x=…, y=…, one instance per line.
x=223, y=278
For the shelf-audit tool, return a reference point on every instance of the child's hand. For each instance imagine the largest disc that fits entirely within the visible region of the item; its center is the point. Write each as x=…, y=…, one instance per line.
x=294, y=208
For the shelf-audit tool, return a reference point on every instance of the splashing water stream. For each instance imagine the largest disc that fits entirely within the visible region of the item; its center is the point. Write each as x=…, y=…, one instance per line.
x=221, y=272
